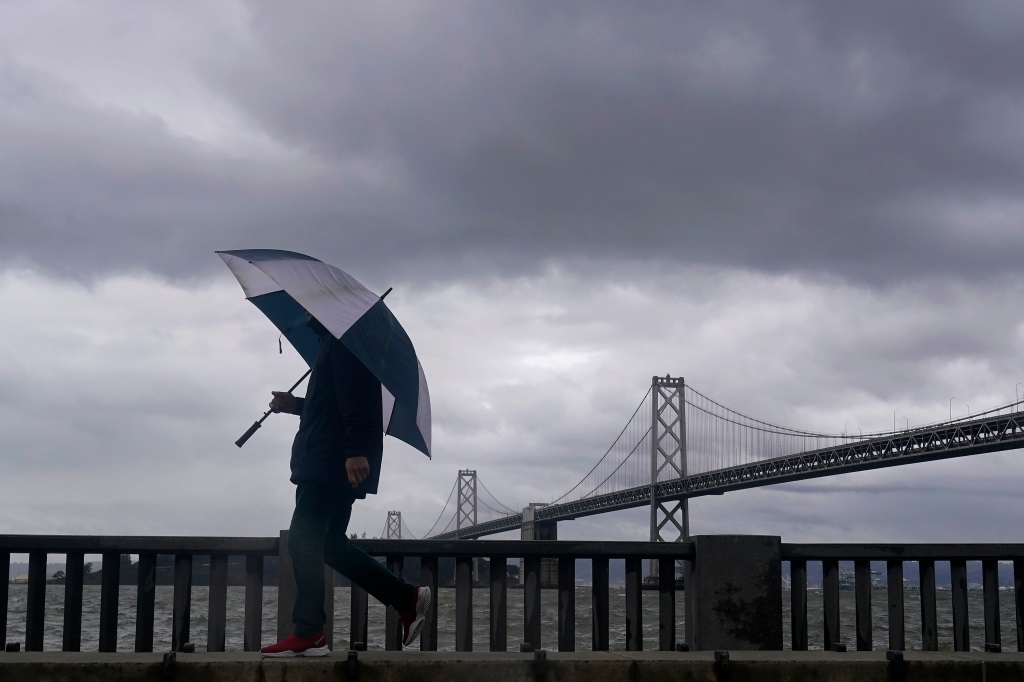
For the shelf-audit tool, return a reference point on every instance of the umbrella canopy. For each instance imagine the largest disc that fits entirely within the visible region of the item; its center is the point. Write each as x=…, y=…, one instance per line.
x=284, y=285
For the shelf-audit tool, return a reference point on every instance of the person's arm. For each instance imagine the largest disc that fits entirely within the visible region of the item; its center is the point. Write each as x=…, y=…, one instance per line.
x=359, y=405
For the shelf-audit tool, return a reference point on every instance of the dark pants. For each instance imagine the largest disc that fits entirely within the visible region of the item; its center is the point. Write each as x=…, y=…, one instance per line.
x=317, y=536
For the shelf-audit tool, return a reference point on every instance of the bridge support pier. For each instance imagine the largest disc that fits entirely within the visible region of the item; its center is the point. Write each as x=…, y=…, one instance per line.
x=734, y=594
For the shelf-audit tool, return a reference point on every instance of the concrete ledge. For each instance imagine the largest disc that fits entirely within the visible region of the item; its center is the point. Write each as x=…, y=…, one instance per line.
x=742, y=666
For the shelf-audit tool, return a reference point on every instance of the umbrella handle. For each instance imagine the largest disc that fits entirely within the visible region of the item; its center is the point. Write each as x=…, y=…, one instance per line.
x=252, y=429
x=248, y=434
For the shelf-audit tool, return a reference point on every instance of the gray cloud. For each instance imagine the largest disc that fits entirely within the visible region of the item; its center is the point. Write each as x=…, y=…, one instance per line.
x=869, y=142
x=119, y=406
x=812, y=211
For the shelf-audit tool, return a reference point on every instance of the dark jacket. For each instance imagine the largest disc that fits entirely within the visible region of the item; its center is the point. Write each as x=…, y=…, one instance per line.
x=340, y=417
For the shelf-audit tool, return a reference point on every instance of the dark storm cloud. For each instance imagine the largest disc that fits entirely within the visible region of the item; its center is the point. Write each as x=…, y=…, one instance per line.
x=867, y=140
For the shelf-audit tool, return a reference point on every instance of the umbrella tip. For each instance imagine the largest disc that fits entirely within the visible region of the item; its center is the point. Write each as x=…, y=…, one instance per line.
x=386, y=293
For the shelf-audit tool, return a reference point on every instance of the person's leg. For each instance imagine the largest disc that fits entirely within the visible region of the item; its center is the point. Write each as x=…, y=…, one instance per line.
x=306, y=537
x=358, y=566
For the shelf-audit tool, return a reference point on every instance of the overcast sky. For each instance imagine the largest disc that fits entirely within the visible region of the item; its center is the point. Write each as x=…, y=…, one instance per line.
x=812, y=211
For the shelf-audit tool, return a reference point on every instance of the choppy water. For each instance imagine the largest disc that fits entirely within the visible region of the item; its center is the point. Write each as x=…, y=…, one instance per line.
x=911, y=619
x=446, y=618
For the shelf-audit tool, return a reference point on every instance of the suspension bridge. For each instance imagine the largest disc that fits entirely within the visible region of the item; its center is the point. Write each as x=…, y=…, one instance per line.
x=681, y=444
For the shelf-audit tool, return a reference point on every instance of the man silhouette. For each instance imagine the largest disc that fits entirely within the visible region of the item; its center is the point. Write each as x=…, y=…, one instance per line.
x=336, y=458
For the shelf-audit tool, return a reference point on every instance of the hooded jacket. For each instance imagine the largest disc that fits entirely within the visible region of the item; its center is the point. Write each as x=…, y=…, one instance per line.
x=340, y=417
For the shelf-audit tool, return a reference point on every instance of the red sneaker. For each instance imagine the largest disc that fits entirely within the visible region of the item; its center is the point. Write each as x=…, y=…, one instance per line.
x=415, y=617
x=293, y=645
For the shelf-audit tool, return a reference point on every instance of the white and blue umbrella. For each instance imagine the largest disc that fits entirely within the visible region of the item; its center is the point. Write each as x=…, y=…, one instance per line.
x=284, y=285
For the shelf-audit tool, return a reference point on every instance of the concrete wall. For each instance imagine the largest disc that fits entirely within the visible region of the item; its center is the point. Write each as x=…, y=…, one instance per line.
x=509, y=667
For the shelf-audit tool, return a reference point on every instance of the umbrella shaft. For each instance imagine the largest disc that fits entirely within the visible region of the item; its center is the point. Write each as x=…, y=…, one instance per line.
x=296, y=384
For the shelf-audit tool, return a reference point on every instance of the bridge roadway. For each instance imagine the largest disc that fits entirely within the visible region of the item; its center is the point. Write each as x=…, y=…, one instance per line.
x=942, y=441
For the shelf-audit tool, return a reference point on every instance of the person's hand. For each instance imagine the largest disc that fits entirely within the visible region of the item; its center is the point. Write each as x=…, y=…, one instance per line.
x=283, y=402
x=357, y=468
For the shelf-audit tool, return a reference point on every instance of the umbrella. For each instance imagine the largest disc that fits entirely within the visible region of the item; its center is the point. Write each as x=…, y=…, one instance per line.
x=284, y=285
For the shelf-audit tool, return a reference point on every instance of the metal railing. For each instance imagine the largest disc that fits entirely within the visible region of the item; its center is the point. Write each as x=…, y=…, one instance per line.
x=565, y=553
x=532, y=552
x=895, y=555
x=394, y=552
x=147, y=548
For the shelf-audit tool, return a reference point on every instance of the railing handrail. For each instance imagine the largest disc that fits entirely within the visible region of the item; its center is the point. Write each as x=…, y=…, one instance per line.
x=139, y=544
x=545, y=549
x=269, y=546
x=905, y=551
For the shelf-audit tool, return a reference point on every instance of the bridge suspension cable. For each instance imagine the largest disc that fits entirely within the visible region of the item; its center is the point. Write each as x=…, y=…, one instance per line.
x=406, y=533
x=635, y=432
x=434, y=527
x=508, y=509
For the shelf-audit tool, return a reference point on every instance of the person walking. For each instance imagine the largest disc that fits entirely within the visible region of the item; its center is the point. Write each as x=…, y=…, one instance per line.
x=335, y=460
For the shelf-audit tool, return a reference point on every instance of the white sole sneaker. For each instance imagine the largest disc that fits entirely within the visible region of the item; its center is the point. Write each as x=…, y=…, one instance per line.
x=423, y=598
x=313, y=652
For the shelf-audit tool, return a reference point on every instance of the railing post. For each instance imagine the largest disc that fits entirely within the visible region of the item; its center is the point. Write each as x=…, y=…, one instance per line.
x=1018, y=596
x=5, y=568
x=36, y=602
x=798, y=603
x=736, y=586
x=252, y=634
x=666, y=604
x=567, y=603
x=110, y=580
x=145, y=603
x=285, y=588
x=499, y=603
x=74, y=577
x=961, y=628
x=463, y=603
x=359, y=618
x=634, y=605
x=830, y=595
x=182, y=610
x=531, y=602
x=392, y=624
x=929, y=620
x=329, y=606
x=599, y=604
x=862, y=597
x=894, y=580
x=218, y=604
x=428, y=578
x=990, y=585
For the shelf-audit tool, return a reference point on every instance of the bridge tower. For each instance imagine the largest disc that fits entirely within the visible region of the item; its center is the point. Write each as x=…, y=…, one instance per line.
x=394, y=527
x=465, y=510
x=670, y=519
